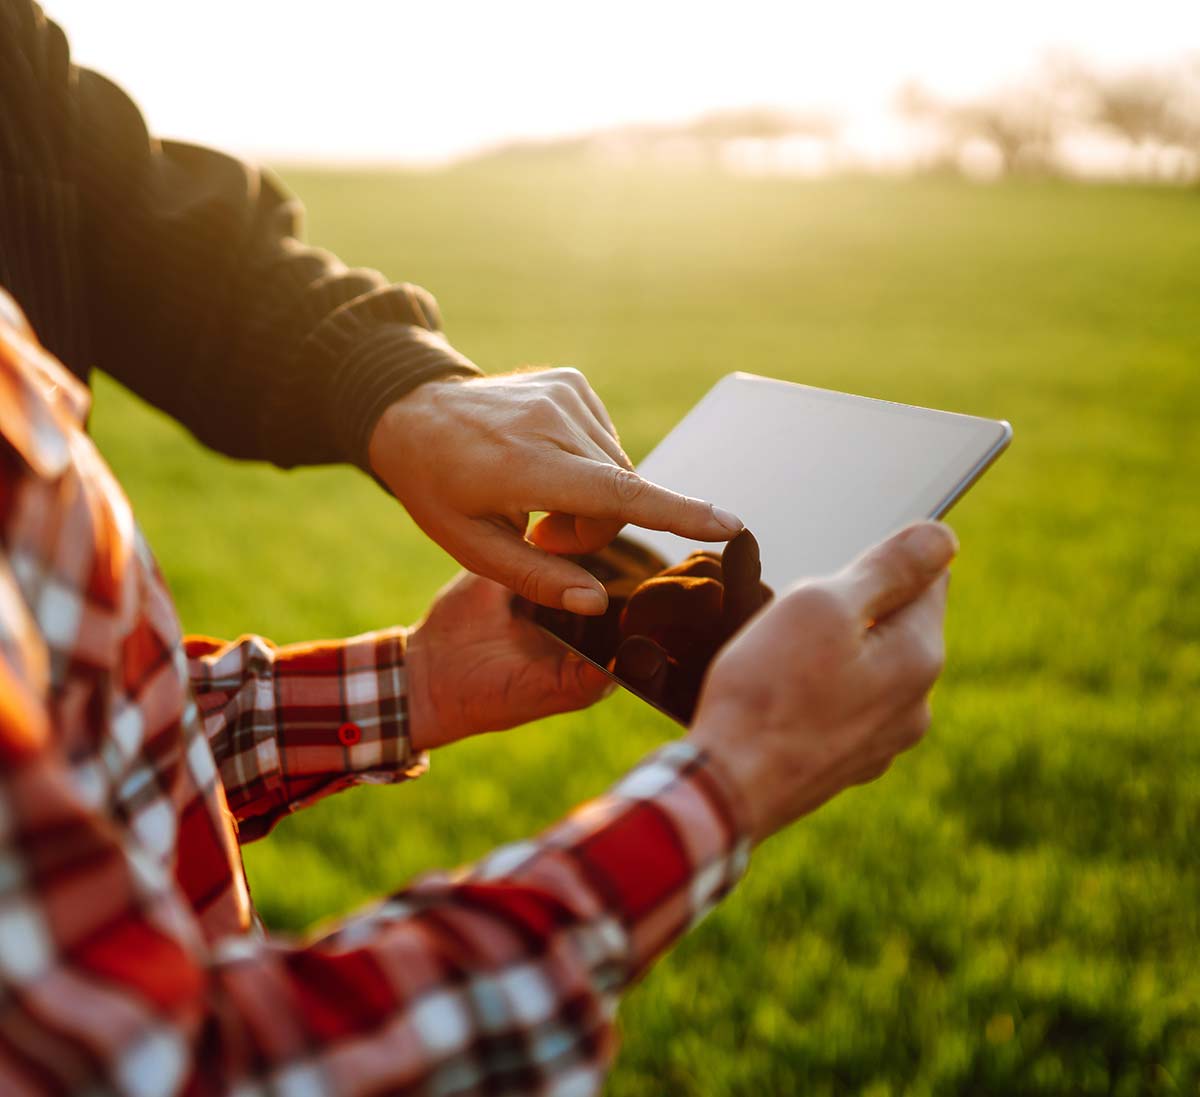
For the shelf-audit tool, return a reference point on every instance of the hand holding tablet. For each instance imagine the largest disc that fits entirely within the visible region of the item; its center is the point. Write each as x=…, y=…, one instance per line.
x=817, y=476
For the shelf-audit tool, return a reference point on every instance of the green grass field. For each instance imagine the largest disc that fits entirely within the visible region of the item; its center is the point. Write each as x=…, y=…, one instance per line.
x=1015, y=908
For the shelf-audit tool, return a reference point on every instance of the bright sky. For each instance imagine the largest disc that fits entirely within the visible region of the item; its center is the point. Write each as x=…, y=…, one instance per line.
x=377, y=80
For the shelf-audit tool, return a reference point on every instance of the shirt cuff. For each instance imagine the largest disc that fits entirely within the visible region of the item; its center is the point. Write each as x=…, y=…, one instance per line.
x=374, y=349
x=292, y=725
x=383, y=367
x=680, y=784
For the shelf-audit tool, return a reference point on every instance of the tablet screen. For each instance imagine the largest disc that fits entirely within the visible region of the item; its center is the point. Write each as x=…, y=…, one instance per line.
x=816, y=476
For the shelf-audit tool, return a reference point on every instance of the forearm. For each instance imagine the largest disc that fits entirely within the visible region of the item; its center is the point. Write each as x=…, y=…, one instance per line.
x=506, y=975
x=509, y=973
x=204, y=301
x=193, y=285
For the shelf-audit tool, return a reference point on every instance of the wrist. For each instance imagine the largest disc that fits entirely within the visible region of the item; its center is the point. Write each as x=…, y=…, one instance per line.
x=402, y=422
x=422, y=718
x=723, y=734
x=375, y=364
x=379, y=441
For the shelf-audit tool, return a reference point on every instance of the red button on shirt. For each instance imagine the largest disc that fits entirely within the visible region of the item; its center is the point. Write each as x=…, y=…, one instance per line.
x=349, y=734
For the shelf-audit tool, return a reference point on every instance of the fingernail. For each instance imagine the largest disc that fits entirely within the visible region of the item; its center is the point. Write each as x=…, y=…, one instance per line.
x=608, y=690
x=728, y=519
x=934, y=545
x=585, y=600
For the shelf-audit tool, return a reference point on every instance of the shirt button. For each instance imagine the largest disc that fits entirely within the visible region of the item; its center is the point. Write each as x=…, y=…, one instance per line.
x=349, y=734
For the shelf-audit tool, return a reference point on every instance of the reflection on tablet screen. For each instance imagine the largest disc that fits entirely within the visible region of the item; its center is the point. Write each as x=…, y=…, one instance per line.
x=664, y=623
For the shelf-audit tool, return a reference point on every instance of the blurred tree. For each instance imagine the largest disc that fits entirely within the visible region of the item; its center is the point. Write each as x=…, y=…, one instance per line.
x=1021, y=125
x=760, y=123
x=1138, y=123
x=1154, y=111
x=718, y=134
x=1157, y=111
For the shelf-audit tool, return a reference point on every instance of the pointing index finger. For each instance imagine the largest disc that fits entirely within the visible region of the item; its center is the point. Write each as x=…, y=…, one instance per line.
x=591, y=489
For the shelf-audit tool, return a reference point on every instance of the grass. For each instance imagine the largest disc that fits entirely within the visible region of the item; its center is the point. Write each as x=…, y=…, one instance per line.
x=1015, y=908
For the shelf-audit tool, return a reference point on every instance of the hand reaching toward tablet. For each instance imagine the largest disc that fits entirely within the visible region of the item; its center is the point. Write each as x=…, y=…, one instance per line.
x=830, y=682
x=471, y=460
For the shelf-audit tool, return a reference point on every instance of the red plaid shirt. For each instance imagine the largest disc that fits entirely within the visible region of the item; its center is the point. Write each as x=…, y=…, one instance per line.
x=131, y=763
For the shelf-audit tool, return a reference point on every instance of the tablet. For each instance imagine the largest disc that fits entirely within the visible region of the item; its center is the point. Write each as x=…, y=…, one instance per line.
x=817, y=476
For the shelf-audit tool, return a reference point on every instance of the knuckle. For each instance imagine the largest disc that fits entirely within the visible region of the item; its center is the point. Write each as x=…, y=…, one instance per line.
x=543, y=412
x=917, y=725
x=937, y=661
x=810, y=630
x=527, y=582
x=887, y=566
x=873, y=772
x=818, y=607
x=909, y=729
x=542, y=407
x=920, y=661
x=571, y=376
x=932, y=658
x=880, y=768
x=627, y=486
x=897, y=568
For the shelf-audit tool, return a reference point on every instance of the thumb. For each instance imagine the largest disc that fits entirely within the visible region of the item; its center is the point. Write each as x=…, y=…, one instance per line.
x=893, y=573
x=536, y=575
x=590, y=682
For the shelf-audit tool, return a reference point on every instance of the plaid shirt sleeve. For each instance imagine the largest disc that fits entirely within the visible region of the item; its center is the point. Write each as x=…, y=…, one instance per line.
x=501, y=978
x=129, y=960
x=267, y=712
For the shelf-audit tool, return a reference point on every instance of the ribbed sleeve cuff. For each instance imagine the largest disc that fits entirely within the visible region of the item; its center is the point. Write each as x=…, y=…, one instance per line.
x=366, y=353
x=382, y=367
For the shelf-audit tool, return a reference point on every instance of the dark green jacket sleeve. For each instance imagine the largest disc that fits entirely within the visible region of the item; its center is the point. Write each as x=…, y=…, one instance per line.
x=187, y=272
